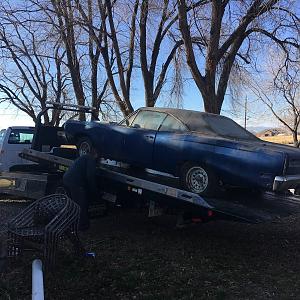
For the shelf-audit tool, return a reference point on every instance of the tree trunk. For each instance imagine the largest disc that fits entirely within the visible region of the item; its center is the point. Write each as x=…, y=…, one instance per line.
x=295, y=139
x=149, y=96
x=212, y=102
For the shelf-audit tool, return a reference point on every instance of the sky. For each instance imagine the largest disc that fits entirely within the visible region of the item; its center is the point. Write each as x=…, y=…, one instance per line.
x=10, y=116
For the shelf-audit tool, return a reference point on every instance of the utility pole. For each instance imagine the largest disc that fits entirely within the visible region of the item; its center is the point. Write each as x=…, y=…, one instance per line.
x=245, y=116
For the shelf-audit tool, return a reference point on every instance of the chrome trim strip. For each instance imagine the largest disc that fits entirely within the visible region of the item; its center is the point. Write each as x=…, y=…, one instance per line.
x=286, y=182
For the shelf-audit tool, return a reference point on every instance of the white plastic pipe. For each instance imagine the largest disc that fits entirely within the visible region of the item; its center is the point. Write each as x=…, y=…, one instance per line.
x=37, y=280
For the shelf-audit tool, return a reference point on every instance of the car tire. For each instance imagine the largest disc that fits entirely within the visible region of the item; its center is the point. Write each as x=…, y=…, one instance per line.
x=199, y=179
x=84, y=146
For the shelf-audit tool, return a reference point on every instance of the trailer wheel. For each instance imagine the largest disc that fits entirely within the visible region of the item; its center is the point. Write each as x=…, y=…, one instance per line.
x=57, y=188
x=61, y=190
x=84, y=146
x=199, y=179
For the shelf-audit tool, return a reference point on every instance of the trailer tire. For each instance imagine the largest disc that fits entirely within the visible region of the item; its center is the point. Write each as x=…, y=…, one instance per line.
x=84, y=146
x=199, y=179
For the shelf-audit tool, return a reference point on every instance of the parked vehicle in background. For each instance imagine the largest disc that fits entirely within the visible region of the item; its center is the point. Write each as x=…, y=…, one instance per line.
x=205, y=150
x=12, y=141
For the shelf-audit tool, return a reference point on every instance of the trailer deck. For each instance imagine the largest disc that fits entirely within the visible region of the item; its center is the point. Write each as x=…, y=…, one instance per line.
x=160, y=191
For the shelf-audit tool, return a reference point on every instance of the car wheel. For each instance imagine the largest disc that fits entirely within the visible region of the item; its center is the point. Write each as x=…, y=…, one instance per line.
x=84, y=146
x=199, y=179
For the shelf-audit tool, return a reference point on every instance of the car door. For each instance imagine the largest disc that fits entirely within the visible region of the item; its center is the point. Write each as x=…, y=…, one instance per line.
x=140, y=138
x=169, y=145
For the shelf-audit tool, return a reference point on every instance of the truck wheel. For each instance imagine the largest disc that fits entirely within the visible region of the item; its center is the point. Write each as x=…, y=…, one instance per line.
x=199, y=179
x=84, y=146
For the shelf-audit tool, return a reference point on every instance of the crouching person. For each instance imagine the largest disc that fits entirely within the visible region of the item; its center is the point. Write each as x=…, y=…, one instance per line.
x=80, y=182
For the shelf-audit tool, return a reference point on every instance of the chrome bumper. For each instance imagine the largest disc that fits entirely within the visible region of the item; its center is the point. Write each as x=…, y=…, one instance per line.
x=286, y=182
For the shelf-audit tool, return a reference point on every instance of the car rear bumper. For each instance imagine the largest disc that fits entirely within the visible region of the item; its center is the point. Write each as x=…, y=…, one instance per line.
x=286, y=182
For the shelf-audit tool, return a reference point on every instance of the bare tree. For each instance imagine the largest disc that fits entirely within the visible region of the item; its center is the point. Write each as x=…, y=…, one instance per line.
x=118, y=45
x=31, y=75
x=82, y=52
x=281, y=94
x=105, y=35
x=150, y=52
x=225, y=32
x=63, y=11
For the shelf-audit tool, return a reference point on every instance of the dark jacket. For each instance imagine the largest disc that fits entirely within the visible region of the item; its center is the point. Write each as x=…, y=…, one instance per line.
x=82, y=173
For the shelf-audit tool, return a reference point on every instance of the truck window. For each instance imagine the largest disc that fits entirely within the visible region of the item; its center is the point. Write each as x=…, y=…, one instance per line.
x=21, y=136
x=2, y=134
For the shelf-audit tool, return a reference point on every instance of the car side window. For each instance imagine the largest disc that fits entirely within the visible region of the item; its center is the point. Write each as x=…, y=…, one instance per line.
x=148, y=120
x=172, y=124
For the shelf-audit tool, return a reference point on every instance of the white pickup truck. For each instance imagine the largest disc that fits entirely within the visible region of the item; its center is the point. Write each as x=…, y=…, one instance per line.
x=12, y=141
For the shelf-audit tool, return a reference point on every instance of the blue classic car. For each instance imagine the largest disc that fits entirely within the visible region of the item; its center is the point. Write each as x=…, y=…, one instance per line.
x=205, y=151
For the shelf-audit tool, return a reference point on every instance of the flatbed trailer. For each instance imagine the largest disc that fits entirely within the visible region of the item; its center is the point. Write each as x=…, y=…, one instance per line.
x=159, y=194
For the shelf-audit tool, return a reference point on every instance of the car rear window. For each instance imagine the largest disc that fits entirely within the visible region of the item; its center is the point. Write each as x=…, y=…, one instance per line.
x=228, y=128
x=21, y=136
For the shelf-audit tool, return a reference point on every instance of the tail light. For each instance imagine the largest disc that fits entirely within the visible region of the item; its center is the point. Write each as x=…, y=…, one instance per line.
x=210, y=213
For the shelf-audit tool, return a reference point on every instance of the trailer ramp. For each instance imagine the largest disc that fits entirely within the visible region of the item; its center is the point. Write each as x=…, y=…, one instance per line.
x=256, y=208
x=241, y=206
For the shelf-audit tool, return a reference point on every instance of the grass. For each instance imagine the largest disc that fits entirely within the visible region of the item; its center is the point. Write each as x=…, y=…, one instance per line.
x=139, y=258
x=280, y=139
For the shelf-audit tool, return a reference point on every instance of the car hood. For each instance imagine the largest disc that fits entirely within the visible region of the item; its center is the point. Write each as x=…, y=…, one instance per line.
x=253, y=145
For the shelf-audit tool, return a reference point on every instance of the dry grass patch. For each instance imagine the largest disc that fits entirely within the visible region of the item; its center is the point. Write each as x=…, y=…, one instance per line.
x=279, y=139
x=143, y=259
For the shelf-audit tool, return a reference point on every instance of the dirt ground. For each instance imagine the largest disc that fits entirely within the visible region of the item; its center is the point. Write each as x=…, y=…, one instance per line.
x=141, y=258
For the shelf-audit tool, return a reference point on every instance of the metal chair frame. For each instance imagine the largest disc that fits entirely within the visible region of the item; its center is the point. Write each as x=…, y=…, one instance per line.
x=46, y=222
